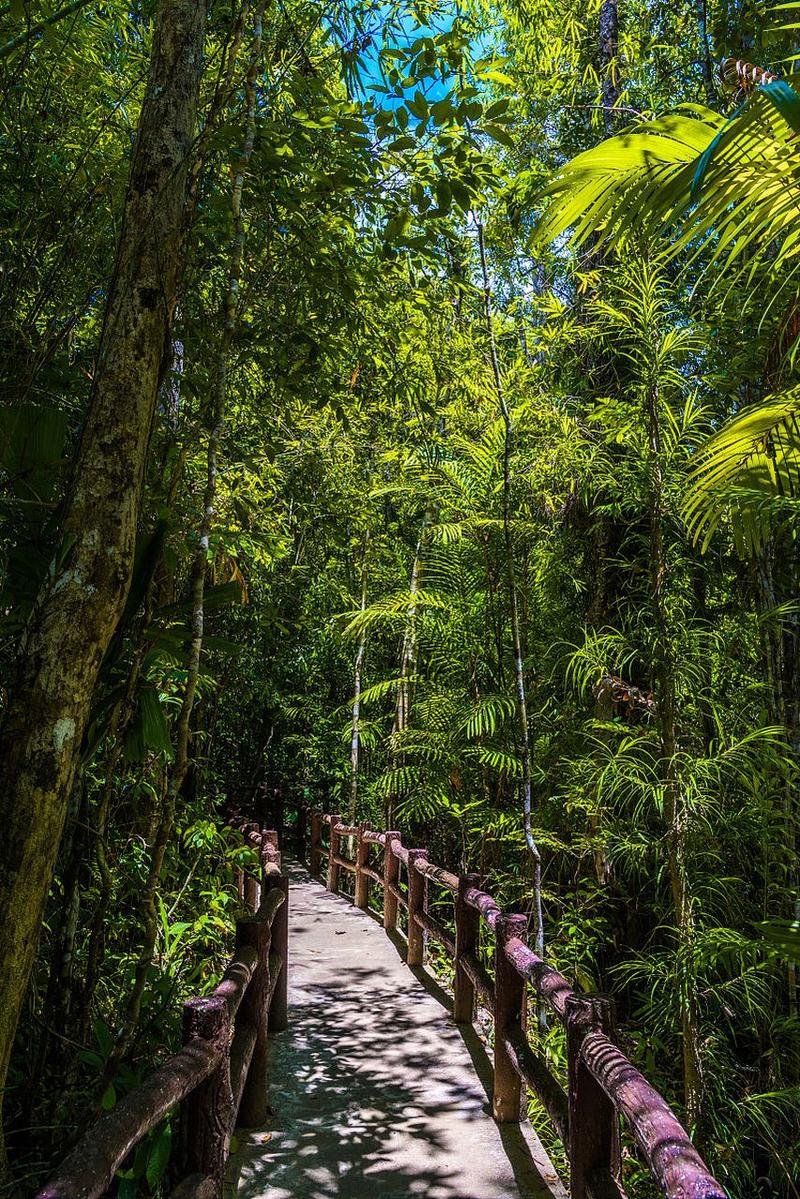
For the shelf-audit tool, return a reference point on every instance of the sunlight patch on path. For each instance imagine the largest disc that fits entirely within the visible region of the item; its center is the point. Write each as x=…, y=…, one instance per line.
x=374, y=1090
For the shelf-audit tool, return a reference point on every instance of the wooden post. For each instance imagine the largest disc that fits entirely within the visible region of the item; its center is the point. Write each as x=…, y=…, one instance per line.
x=279, y=1008
x=269, y=836
x=254, y=1108
x=467, y=930
x=593, y=1124
x=302, y=832
x=362, y=880
x=207, y=1115
x=391, y=873
x=417, y=890
x=251, y=891
x=333, y=868
x=509, y=1010
x=316, y=840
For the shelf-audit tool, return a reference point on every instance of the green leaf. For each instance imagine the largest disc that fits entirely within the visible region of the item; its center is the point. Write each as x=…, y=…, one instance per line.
x=443, y=111
x=783, y=936
x=403, y=143
x=498, y=77
x=103, y=1037
x=148, y=731
x=158, y=1159
x=222, y=645
x=497, y=109
x=498, y=134
x=461, y=195
x=31, y=450
x=444, y=196
x=419, y=105
x=786, y=100
x=218, y=596
x=752, y=460
x=704, y=161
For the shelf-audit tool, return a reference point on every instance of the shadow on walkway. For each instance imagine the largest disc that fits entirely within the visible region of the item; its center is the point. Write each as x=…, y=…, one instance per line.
x=376, y=1093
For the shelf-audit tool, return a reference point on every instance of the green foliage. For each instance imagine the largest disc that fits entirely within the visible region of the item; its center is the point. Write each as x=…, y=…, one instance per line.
x=642, y=258
x=753, y=458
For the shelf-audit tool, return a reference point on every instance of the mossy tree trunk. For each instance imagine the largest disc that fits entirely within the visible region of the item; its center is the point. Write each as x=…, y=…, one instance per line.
x=83, y=597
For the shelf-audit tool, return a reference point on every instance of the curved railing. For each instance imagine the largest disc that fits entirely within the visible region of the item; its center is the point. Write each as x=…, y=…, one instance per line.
x=219, y=1078
x=603, y=1084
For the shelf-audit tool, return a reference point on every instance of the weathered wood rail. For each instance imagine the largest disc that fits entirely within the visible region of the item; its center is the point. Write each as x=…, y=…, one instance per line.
x=218, y=1080
x=603, y=1085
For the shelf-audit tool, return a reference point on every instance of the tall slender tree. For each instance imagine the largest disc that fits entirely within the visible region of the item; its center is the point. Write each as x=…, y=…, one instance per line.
x=513, y=598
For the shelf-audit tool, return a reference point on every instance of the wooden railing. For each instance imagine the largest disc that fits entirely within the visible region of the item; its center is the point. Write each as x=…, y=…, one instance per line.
x=219, y=1078
x=603, y=1085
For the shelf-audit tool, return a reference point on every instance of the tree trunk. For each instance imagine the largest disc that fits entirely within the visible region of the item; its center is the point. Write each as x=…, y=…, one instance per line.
x=516, y=631
x=609, y=69
x=706, y=63
x=56, y=1021
x=358, y=671
x=199, y=567
x=782, y=668
x=408, y=655
x=84, y=595
x=675, y=815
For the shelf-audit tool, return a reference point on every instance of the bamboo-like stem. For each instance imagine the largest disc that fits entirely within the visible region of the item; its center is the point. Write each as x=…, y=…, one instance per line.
x=511, y=575
x=358, y=671
x=408, y=654
x=230, y=317
x=675, y=815
x=39, y=27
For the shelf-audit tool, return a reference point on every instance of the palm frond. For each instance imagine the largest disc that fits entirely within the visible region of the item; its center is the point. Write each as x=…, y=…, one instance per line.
x=693, y=179
x=486, y=716
x=756, y=456
x=390, y=610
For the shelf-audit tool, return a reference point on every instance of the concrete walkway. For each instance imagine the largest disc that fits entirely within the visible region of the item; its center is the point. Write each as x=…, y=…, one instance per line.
x=376, y=1093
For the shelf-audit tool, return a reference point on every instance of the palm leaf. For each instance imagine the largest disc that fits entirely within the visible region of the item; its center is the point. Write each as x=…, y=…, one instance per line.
x=755, y=456
x=644, y=185
x=390, y=610
x=783, y=936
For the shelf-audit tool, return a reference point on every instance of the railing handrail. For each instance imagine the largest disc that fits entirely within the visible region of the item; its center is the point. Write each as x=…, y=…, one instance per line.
x=603, y=1083
x=221, y=1071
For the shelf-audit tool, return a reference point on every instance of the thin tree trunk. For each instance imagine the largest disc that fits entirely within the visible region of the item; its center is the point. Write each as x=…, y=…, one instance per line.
x=609, y=53
x=118, y=723
x=84, y=595
x=39, y=27
x=780, y=652
x=611, y=89
x=706, y=63
x=358, y=670
x=408, y=654
x=56, y=1010
x=675, y=816
x=94, y=953
x=511, y=575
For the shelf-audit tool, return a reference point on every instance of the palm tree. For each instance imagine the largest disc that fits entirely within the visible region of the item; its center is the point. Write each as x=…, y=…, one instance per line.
x=725, y=193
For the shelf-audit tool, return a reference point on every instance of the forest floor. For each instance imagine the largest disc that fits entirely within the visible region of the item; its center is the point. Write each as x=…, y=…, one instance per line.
x=375, y=1091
